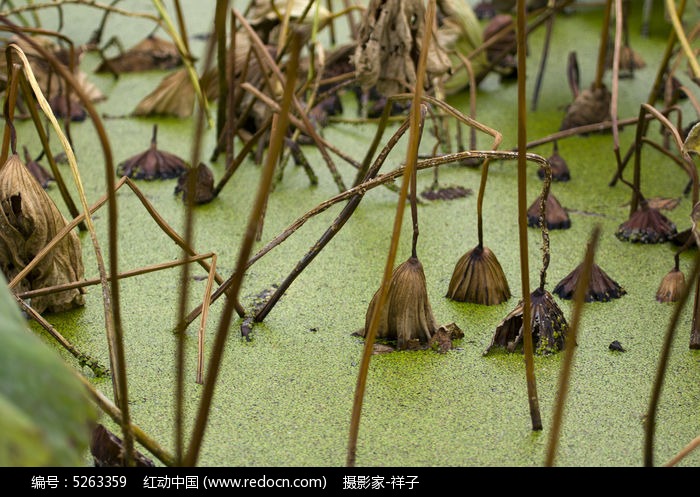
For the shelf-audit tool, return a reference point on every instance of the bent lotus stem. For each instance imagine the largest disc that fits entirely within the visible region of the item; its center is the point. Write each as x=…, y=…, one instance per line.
x=687, y=162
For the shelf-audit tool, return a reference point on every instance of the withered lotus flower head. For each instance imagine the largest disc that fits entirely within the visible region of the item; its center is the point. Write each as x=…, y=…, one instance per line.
x=671, y=286
x=204, y=184
x=555, y=215
x=548, y=326
x=390, y=34
x=591, y=106
x=646, y=225
x=478, y=278
x=29, y=220
x=601, y=287
x=407, y=315
x=37, y=170
x=153, y=163
x=151, y=53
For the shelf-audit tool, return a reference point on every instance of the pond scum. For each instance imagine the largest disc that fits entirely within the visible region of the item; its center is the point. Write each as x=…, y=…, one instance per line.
x=277, y=87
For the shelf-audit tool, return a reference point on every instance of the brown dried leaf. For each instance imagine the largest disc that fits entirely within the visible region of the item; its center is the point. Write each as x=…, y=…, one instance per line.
x=174, y=96
x=151, y=53
x=29, y=220
x=390, y=38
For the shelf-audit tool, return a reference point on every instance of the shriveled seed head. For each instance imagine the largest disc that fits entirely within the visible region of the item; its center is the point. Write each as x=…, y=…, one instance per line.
x=560, y=169
x=152, y=164
x=671, y=286
x=478, y=278
x=591, y=106
x=601, y=287
x=555, y=216
x=646, y=225
x=548, y=326
x=204, y=184
x=407, y=315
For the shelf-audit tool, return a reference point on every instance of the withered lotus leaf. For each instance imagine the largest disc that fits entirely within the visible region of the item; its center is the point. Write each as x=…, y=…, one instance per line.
x=407, y=315
x=152, y=163
x=174, y=96
x=151, y=53
x=389, y=38
x=29, y=220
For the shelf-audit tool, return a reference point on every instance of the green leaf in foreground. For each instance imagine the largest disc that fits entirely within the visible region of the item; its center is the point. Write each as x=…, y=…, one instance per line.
x=45, y=414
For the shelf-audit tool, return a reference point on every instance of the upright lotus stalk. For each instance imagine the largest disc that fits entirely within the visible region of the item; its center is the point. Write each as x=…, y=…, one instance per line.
x=411, y=160
x=522, y=218
x=29, y=220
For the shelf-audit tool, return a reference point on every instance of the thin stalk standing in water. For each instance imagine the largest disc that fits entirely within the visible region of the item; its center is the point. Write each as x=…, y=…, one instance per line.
x=522, y=219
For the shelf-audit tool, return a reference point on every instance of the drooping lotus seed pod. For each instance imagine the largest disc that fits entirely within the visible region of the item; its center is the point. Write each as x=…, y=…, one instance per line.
x=646, y=225
x=478, y=278
x=407, y=315
x=601, y=287
x=547, y=324
x=556, y=216
x=671, y=286
x=152, y=163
